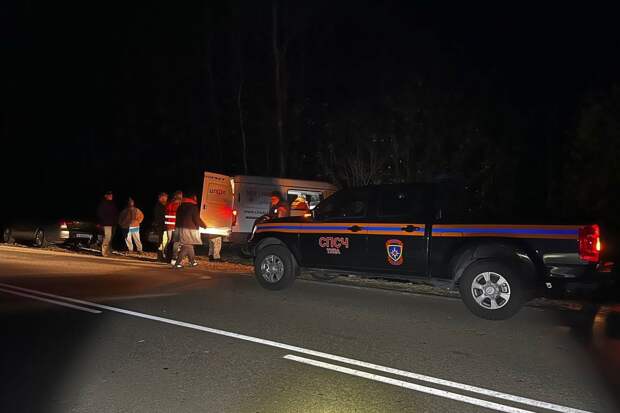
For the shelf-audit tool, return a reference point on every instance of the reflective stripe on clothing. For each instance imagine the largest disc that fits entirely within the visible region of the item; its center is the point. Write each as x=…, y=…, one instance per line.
x=134, y=229
x=164, y=241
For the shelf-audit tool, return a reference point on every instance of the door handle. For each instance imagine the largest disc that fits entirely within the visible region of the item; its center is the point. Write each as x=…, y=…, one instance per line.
x=355, y=228
x=410, y=228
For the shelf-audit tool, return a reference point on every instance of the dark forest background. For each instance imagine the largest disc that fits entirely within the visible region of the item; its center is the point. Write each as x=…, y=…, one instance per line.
x=517, y=102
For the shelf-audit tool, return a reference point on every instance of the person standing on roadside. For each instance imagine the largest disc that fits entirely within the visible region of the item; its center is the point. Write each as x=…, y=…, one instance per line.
x=130, y=219
x=170, y=222
x=159, y=224
x=107, y=213
x=215, y=247
x=188, y=224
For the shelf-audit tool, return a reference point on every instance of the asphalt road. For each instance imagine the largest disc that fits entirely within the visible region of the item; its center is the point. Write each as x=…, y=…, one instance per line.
x=88, y=334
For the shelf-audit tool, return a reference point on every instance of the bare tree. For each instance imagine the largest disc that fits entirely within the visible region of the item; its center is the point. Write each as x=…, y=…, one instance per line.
x=363, y=166
x=244, y=150
x=214, y=108
x=278, y=55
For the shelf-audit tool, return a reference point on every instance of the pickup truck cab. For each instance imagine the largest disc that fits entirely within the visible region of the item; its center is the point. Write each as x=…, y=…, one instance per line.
x=400, y=232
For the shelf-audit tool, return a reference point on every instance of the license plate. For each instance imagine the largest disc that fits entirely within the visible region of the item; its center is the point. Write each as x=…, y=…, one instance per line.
x=82, y=235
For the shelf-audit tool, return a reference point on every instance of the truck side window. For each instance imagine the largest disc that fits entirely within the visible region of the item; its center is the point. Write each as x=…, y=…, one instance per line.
x=349, y=204
x=402, y=202
x=313, y=198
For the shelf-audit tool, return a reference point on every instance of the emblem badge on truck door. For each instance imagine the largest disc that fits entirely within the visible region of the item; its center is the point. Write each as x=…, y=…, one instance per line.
x=394, y=250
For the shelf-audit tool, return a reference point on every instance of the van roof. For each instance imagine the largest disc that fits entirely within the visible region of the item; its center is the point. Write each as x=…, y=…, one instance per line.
x=287, y=182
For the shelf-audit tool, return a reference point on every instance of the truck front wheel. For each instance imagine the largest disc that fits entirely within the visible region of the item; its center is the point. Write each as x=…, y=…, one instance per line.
x=275, y=267
x=492, y=289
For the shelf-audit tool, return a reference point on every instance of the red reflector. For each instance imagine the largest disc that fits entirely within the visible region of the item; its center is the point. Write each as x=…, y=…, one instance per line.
x=590, y=243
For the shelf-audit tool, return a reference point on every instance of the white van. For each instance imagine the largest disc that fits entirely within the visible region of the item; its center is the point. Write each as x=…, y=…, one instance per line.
x=230, y=205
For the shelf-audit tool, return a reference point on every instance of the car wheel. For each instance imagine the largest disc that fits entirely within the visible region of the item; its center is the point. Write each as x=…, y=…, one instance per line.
x=7, y=236
x=275, y=267
x=39, y=240
x=492, y=289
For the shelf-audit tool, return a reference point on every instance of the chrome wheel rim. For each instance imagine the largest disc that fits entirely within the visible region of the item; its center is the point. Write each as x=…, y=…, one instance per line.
x=490, y=290
x=272, y=268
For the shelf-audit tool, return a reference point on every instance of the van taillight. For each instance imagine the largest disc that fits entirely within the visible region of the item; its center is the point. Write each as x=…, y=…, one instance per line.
x=234, y=217
x=64, y=224
x=590, y=243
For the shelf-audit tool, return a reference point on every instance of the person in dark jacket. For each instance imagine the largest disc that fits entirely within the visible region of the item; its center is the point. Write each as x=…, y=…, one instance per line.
x=278, y=208
x=108, y=215
x=188, y=223
x=158, y=226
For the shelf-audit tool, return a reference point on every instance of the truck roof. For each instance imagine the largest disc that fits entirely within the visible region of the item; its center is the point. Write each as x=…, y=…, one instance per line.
x=288, y=182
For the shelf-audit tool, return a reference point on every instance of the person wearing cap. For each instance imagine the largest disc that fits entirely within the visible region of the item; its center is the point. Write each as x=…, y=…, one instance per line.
x=107, y=213
x=159, y=223
x=130, y=220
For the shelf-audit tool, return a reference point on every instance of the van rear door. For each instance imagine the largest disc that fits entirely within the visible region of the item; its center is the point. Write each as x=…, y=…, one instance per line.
x=216, y=204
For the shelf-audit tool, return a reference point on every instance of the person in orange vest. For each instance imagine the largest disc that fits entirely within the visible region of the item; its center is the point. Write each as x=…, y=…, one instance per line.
x=299, y=207
x=170, y=223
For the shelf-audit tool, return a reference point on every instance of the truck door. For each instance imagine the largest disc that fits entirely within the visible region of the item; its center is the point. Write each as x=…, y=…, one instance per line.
x=397, y=236
x=216, y=204
x=336, y=238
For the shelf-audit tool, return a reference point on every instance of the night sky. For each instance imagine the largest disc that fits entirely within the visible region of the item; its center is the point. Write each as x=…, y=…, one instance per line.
x=109, y=95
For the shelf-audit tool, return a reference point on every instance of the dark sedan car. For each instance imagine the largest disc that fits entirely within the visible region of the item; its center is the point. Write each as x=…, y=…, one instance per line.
x=41, y=234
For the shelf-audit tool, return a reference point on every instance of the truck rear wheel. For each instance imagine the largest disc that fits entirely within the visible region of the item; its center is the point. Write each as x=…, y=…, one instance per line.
x=492, y=289
x=275, y=267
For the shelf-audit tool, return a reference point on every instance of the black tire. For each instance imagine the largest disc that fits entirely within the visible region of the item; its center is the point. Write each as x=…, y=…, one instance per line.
x=278, y=259
x=506, y=290
x=39, y=240
x=7, y=236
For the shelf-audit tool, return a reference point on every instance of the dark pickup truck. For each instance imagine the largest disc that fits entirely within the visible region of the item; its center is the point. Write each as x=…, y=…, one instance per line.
x=402, y=232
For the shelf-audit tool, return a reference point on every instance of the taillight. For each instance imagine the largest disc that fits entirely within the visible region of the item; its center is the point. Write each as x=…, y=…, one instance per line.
x=590, y=243
x=64, y=224
x=234, y=217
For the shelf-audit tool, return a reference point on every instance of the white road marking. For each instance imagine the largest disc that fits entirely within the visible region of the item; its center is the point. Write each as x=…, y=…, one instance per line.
x=47, y=300
x=407, y=385
x=296, y=349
